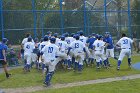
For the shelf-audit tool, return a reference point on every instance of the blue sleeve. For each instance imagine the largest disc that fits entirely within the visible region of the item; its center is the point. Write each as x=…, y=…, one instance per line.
x=88, y=41
x=5, y=47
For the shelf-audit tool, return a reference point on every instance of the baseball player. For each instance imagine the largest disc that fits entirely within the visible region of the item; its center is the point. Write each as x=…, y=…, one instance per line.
x=3, y=60
x=50, y=52
x=109, y=48
x=63, y=47
x=99, y=46
x=41, y=46
x=69, y=40
x=28, y=50
x=25, y=40
x=78, y=52
x=125, y=44
x=90, y=42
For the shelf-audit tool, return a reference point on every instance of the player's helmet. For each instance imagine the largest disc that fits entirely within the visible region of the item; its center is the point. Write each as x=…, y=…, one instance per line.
x=66, y=34
x=72, y=34
x=55, y=35
x=4, y=40
x=52, y=40
x=29, y=39
x=46, y=38
x=81, y=32
x=96, y=35
x=100, y=37
x=36, y=40
x=107, y=32
x=62, y=38
x=77, y=37
x=93, y=34
x=49, y=32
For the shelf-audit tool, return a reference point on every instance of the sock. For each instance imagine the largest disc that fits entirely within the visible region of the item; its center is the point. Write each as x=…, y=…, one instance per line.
x=75, y=65
x=101, y=62
x=89, y=60
x=69, y=63
x=119, y=63
x=105, y=63
x=73, y=60
x=98, y=64
x=129, y=61
x=28, y=67
x=43, y=66
x=49, y=77
x=92, y=60
x=79, y=67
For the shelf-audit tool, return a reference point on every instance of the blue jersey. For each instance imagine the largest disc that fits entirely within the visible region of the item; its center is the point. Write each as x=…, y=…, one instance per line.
x=90, y=41
x=2, y=47
x=110, y=42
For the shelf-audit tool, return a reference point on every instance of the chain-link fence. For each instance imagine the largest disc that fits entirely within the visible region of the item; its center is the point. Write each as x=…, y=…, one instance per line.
x=19, y=17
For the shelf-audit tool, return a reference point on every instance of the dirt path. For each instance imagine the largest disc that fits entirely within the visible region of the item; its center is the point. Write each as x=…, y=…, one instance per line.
x=57, y=86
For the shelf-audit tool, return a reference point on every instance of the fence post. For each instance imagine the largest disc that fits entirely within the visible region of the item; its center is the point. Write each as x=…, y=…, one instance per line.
x=85, y=17
x=42, y=23
x=105, y=16
x=61, y=16
x=35, y=17
x=129, y=19
x=1, y=14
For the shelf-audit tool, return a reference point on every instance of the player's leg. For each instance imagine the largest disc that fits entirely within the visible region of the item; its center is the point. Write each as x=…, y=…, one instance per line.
x=105, y=61
x=28, y=64
x=129, y=58
x=80, y=65
x=97, y=57
x=4, y=64
x=50, y=73
x=108, y=55
x=121, y=56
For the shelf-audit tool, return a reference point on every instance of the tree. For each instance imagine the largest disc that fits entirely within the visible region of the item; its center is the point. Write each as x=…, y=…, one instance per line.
x=136, y=15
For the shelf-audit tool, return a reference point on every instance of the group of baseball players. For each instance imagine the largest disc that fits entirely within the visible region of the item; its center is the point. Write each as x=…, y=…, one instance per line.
x=73, y=51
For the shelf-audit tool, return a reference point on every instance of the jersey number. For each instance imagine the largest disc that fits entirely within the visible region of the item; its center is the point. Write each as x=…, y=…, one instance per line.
x=60, y=44
x=76, y=45
x=81, y=40
x=50, y=50
x=68, y=41
x=125, y=41
x=98, y=45
x=42, y=46
x=28, y=47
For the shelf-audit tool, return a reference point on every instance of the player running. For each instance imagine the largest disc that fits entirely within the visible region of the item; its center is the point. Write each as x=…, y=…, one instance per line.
x=125, y=44
x=50, y=52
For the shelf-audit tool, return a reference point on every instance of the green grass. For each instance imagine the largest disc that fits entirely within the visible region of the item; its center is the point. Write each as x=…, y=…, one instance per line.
x=129, y=86
x=35, y=78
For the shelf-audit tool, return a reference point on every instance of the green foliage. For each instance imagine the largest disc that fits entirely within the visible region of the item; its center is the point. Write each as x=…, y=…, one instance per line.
x=136, y=16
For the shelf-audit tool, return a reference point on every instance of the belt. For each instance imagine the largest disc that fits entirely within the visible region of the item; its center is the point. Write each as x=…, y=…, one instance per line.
x=98, y=50
x=126, y=48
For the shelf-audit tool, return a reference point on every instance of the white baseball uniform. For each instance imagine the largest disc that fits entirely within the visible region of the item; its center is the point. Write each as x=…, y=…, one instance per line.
x=99, y=50
x=77, y=47
x=28, y=50
x=125, y=44
x=50, y=52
